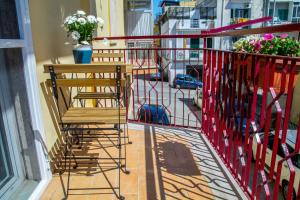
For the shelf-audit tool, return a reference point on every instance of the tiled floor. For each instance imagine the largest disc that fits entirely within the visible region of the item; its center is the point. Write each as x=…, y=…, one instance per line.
x=163, y=164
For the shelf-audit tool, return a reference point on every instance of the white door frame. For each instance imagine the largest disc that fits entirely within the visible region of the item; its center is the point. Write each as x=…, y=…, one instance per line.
x=34, y=99
x=30, y=74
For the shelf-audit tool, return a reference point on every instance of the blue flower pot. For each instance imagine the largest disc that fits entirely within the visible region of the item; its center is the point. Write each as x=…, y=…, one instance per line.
x=83, y=54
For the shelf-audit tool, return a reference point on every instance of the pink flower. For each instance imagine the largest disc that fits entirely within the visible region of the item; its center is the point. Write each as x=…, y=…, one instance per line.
x=252, y=42
x=284, y=35
x=268, y=37
x=257, y=46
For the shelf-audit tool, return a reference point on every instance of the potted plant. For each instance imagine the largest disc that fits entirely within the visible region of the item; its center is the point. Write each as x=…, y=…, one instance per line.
x=268, y=44
x=81, y=28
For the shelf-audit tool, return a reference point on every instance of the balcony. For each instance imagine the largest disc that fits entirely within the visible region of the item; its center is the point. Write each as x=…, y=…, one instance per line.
x=201, y=24
x=219, y=127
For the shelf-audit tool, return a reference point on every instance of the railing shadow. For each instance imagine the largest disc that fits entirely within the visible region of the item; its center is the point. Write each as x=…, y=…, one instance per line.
x=183, y=167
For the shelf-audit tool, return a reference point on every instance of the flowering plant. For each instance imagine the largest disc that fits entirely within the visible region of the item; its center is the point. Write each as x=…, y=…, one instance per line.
x=269, y=44
x=81, y=27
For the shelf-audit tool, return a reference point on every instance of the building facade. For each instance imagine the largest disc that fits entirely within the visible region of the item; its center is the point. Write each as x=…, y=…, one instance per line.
x=138, y=22
x=183, y=18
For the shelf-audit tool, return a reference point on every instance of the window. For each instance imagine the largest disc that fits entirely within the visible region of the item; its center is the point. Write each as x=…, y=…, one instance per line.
x=194, y=54
x=9, y=27
x=194, y=23
x=271, y=12
x=240, y=13
x=195, y=43
x=139, y=5
x=209, y=42
x=179, y=12
x=296, y=12
x=208, y=13
x=130, y=44
x=6, y=169
x=283, y=14
x=10, y=168
x=188, y=78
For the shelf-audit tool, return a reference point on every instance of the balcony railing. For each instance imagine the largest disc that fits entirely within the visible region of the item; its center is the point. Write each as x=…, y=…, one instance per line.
x=241, y=102
x=195, y=24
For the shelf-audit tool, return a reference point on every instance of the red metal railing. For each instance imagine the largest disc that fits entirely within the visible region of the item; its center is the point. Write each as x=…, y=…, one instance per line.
x=242, y=105
x=245, y=113
x=158, y=95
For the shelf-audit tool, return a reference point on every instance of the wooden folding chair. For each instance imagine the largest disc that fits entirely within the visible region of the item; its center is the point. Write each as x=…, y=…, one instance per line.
x=79, y=119
x=107, y=57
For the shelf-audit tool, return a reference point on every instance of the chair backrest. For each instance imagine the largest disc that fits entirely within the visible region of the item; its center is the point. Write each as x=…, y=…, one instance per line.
x=107, y=57
x=88, y=68
x=70, y=81
x=85, y=75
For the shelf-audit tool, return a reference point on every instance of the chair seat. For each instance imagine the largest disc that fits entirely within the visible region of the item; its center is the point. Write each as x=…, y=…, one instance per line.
x=94, y=116
x=95, y=95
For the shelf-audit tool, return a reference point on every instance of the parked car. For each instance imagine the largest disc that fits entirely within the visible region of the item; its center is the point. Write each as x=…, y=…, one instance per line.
x=155, y=76
x=285, y=173
x=197, y=99
x=186, y=81
x=157, y=114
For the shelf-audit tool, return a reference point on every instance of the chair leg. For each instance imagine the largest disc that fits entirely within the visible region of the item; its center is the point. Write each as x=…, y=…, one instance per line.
x=125, y=153
x=127, y=135
x=120, y=161
x=61, y=171
x=69, y=167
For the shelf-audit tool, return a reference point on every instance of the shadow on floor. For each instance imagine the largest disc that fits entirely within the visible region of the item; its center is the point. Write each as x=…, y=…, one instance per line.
x=176, y=158
x=183, y=167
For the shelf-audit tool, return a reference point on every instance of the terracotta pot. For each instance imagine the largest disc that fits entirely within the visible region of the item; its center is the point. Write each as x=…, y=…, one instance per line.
x=262, y=73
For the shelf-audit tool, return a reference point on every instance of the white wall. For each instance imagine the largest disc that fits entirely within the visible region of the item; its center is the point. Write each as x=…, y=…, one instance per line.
x=139, y=23
x=257, y=11
x=223, y=19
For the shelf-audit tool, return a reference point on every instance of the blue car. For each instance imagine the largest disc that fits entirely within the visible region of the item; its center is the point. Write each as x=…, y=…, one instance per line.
x=186, y=81
x=153, y=114
x=155, y=76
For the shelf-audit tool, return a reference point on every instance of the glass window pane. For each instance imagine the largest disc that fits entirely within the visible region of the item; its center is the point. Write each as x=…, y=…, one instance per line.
x=6, y=171
x=9, y=28
x=283, y=14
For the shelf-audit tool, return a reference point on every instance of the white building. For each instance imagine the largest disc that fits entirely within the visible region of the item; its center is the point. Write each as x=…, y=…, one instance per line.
x=178, y=20
x=139, y=22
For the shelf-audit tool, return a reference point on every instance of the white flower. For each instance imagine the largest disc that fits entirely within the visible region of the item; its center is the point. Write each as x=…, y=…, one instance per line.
x=80, y=12
x=75, y=35
x=67, y=19
x=100, y=21
x=70, y=20
x=81, y=21
x=85, y=43
x=91, y=19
